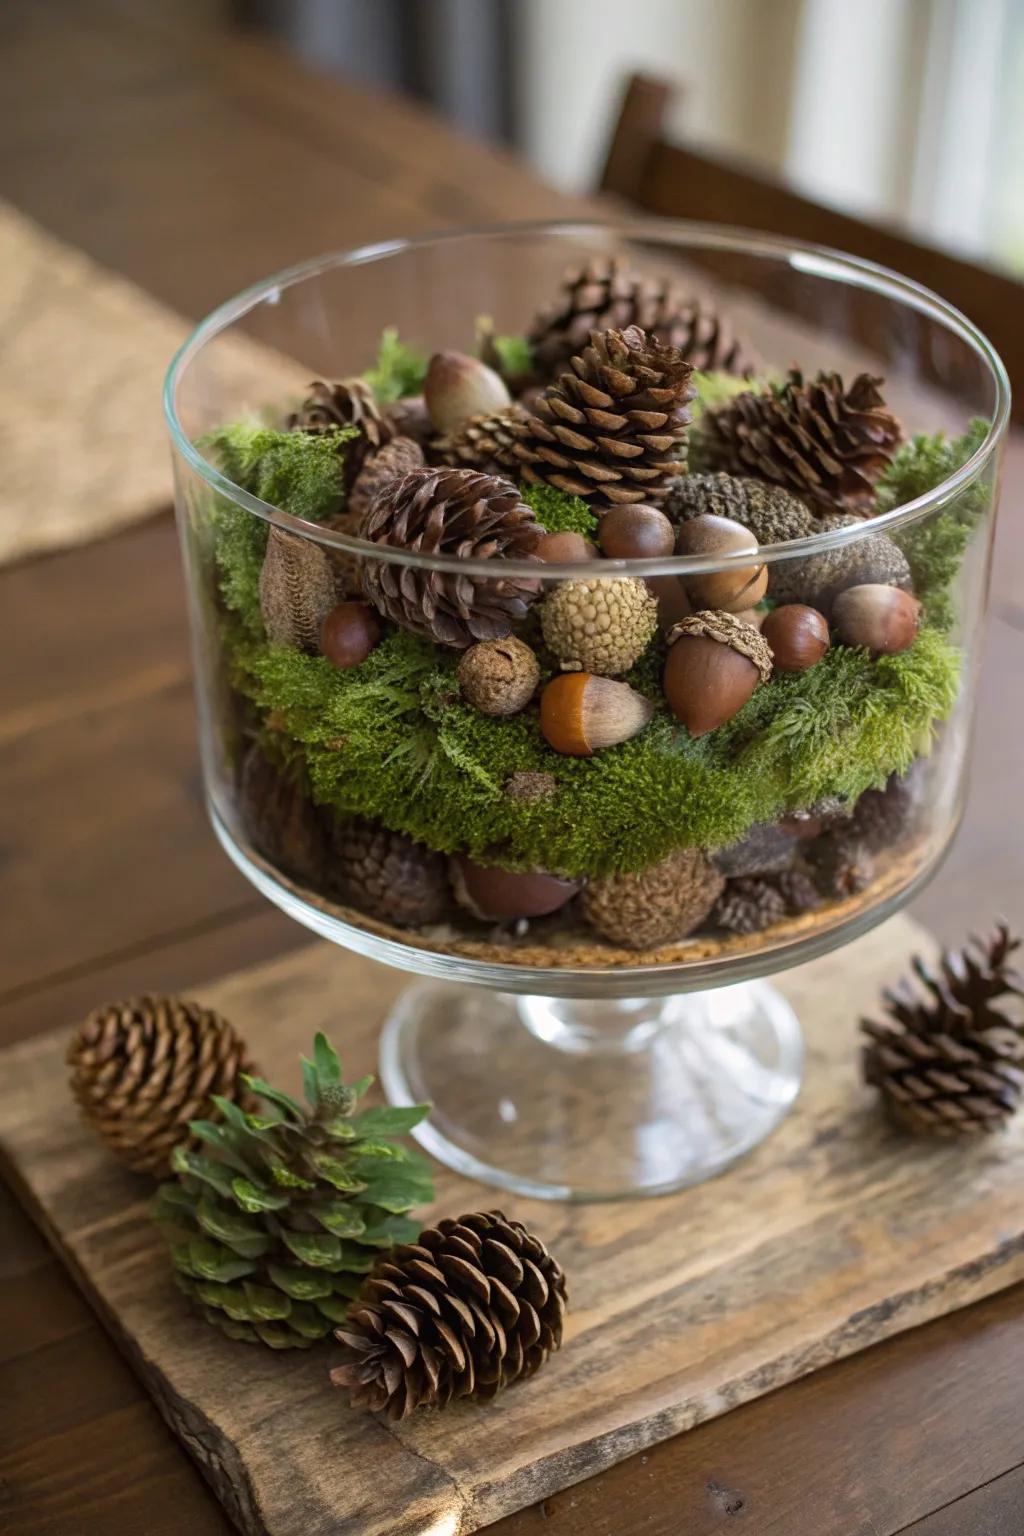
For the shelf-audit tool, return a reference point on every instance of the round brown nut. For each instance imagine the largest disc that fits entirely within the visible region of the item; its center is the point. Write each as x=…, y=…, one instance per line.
x=498, y=677
x=492, y=893
x=636, y=532
x=736, y=586
x=884, y=619
x=715, y=663
x=798, y=636
x=565, y=548
x=349, y=633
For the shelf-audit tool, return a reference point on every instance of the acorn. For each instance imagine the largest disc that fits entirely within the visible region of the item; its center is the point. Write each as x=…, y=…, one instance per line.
x=492, y=894
x=636, y=532
x=798, y=636
x=458, y=386
x=884, y=619
x=499, y=677
x=599, y=625
x=581, y=713
x=565, y=548
x=715, y=664
x=349, y=633
x=737, y=586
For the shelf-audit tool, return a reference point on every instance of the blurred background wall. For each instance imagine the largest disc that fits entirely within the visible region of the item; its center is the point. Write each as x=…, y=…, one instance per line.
x=910, y=111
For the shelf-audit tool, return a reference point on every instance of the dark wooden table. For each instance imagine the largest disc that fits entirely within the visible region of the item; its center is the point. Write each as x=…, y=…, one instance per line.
x=195, y=161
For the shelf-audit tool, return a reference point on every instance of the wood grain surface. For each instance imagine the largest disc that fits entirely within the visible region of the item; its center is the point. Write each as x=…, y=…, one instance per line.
x=192, y=161
x=836, y=1233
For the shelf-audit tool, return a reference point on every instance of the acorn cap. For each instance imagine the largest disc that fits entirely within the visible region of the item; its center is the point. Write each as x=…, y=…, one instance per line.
x=729, y=629
x=498, y=677
x=656, y=905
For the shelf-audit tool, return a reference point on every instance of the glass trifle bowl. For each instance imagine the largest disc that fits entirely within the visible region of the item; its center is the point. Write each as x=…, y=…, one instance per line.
x=586, y=618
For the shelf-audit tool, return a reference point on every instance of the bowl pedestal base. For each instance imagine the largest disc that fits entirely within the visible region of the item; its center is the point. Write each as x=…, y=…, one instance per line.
x=564, y=1099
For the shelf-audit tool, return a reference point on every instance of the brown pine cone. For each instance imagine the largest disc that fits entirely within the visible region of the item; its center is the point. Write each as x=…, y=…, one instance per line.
x=798, y=891
x=475, y=1305
x=748, y=905
x=389, y=876
x=483, y=442
x=451, y=512
x=826, y=443
x=344, y=403
x=948, y=1058
x=607, y=294
x=142, y=1069
x=612, y=429
x=393, y=461
x=842, y=865
x=883, y=817
x=280, y=819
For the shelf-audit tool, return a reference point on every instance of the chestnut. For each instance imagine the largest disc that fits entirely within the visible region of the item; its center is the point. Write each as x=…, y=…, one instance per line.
x=798, y=636
x=349, y=633
x=736, y=586
x=884, y=619
x=636, y=532
x=565, y=548
x=492, y=893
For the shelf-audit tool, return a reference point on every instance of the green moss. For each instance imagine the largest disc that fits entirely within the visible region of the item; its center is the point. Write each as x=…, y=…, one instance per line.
x=393, y=740
x=399, y=370
x=515, y=356
x=559, y=512
x=302, y=472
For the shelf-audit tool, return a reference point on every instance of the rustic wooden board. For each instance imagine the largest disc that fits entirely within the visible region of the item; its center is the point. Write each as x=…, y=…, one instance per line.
x=834, y=1234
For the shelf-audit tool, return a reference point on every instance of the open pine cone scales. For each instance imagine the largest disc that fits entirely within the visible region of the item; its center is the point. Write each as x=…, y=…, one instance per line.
x=827, y=443
x=607, y=294
x=949, y=1059
x=344, y=403
x=476, y=1304
x=142, y=1069
x=611, y=429
x=450, y=512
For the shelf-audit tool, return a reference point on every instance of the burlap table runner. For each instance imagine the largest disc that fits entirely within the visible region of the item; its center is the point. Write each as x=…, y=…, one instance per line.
x=82, y=439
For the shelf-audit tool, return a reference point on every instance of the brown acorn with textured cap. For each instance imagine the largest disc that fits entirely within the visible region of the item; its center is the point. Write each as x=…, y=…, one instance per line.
x=454, y=512
x=142, y=1069
x=827, y=443
x=607, y=293
x=581, y=714
x=473, y=1306
x=715, y=664
x=390, y=876
x=494, y=894
x=657, y=905
x=344, y=403
x=949, y=1057
x=612, y=428
x=735, y=586
x=499, y=677
x=601, y=624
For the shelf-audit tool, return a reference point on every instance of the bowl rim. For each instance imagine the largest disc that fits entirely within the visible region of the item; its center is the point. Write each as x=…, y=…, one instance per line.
x=816, y=260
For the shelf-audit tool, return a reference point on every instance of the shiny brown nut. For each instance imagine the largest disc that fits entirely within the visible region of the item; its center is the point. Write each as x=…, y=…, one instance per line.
x=733, y=588
x=458, y=386
x=798, y=636
x=580, y=713
x=636, y=532
x=884, y=619
x=492, y=893
x=706, y=682
x=349, y=633
x=565, y=548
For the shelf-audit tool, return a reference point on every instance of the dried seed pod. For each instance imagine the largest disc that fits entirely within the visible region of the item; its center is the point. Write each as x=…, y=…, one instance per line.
x=736, y=586
x=635, y=532
x=580, y=713
x=657, y=905
x=884, y=619
x=297, y=590
x=499, y=677
x=458, y=386
x=494, y=894
x=715, y=664
x=797, y=635
x=349, y=633
x=599, y=625
x=527, y=785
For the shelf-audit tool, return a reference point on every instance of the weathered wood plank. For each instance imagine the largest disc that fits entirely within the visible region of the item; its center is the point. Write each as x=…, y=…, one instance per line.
x=834, y=1234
